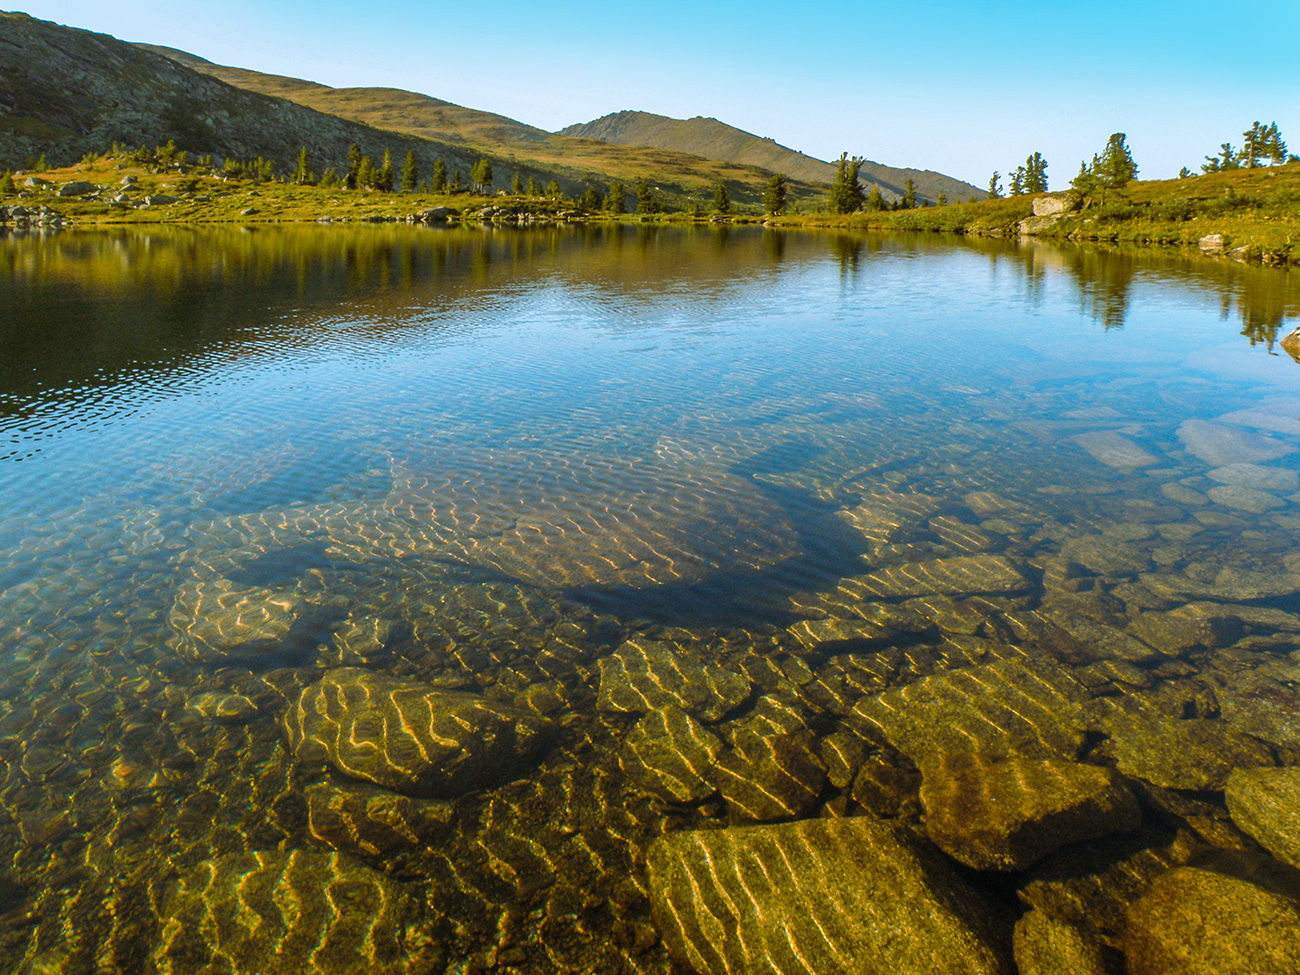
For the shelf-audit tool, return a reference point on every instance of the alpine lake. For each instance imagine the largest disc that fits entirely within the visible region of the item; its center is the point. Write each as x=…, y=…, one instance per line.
x=645, y=600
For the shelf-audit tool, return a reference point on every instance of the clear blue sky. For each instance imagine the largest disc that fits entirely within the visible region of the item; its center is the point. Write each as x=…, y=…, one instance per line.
x=959, y=87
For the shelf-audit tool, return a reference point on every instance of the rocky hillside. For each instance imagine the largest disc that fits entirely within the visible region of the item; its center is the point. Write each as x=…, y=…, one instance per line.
x=712, y=139
x=677, y=174
x=66, y=92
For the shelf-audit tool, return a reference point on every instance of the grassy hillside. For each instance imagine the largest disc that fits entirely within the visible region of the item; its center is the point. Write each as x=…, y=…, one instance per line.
x=712, y=139
x=1255, y=211
x=679, y=176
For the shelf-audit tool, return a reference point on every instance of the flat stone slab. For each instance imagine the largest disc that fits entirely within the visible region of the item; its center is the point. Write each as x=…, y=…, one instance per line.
x=410, y=737
x=1265, y=802
x=1245, y=499
x=1115, y=450
x=1200, y=922
x=769, y=778
x=1257, y=477
x=960, y=576
x=1011, y=707
x=671, y=755
x=1195, y=753
x=1045, y=945
x=643, y=675
x=1219, y=446
x=819, y=897
x=1007, y=815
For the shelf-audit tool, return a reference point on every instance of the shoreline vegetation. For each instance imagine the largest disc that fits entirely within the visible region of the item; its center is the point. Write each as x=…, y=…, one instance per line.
x=1246, y=213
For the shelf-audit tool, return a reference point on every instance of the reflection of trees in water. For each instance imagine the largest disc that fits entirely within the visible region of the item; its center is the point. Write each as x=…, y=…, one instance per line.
x=774, y=242
x=848, y=249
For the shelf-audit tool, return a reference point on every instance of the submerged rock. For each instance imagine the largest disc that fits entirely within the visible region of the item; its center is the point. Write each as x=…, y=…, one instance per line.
x=1265, y=802
x=1256, y=477
x=1219, y=446
x=222, y=708
x=1194, y=753
x=267, y=913
x=410, y=737
x=1006, y=815
x=1115, y=450
x=767, y=778
x=670, y=755
x=1047, y=946
x=1201, y=922
x=819, y=897
x=959, y=576
x=643, y=675
x=213, y=619
x=1245, y=499
x=1011, y=707
x=371, y=821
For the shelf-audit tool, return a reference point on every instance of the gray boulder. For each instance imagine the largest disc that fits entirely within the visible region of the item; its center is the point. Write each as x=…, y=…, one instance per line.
x=1047, y=206
x=77, y=188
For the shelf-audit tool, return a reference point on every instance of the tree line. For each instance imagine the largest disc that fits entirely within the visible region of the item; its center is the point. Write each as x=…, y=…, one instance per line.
x=1260, y=144
x=1029, y=178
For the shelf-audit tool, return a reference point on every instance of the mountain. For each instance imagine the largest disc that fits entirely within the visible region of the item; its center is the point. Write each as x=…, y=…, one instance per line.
x=712, y=139
x=678, y=175
x=66, y=92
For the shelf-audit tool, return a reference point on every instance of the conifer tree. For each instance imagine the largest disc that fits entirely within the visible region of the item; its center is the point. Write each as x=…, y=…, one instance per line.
x=1116, y=168
x=614, y=199
x=1252, y=146
x=328, y=179
x=875, y=200
x=846, y=192
x=1017, y=187
x=1184, y=173
x=721, y=201
x=438, y=183
x=302, y=175
x=410, y=173
x=365, y=174
x=1274, y=147
x=1035, y=179
x=481, y=175
x=774, y=200
x=995, y=186
x=646, y=202
x=354, y=166
x=591, y=200
x=553, y=190
x=516, y=187
x=941, y=199
x=532, y=186
x=384, y=178
x=909, y=195
x=1085, y=182
x=457, y=182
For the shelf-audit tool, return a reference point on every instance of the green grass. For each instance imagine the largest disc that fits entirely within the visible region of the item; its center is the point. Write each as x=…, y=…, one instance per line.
x=1254, y=209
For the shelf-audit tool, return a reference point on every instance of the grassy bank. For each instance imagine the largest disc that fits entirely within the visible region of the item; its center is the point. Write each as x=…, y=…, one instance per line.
x=1256, y=211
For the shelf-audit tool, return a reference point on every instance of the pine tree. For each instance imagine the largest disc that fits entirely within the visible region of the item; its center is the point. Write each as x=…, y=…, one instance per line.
x=457, y=182
x=1085, y=182
x=354, y=167
x=995, y=186
x=645, y=198
x=365, y=174
x=1252, y=146
x=721, y=201
x=1184, y=173
x=1116, y=168
x=774, y=200
x=384, y=178
x=516, y=187
x=553, y=190
x=438, y=182
x=481, y=175
x=846, y=192
x=532, y=186
x=1035, y=180
x=941, y=199
x=7, y=187
x=591, y=200
x=875, y=200
x=909, y=195
x=328, y=179
x=1274, y=147
x=302, y=175
x=410, y=174
x=1017, y=187
x=614, y=201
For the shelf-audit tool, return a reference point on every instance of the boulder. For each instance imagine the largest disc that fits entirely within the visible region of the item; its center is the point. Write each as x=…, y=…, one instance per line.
x=1265, y=802
x=1045, y=945
x=1256, y=477
x=1193, y=753
x=215, y=620
x=644, y=675
x=1012, y=707
x=410, y=737
x=76, y=188
x=1037, y=224
x=1008, y=814
x=671, y=755
x=1245, y=499
x=1291, y=344
x=266, y=913
x=160, y=200
x=1220, y=446
x=1047, y=206
x=1196, y=626
x=1212, y=243
x=960, y=576
x=1201, y=922
x=767, y=778
x=1114, y=449
x=819, y=897
x=369, y=821
x=222, y=708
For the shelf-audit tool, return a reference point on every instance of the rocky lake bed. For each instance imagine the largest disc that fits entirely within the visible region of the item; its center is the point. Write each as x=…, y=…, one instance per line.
x=988, y=664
